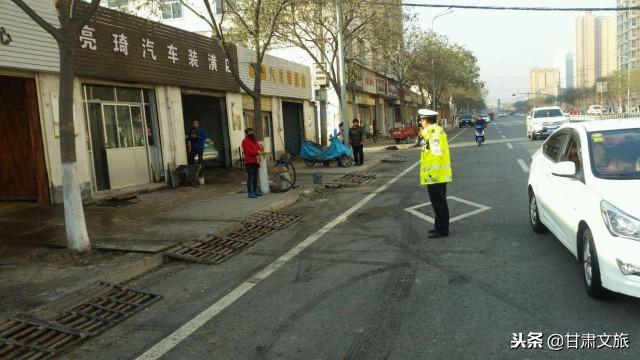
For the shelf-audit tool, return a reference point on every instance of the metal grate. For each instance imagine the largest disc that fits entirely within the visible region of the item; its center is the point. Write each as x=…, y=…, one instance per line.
x=397, y=157
x=272, y=219
x=209, y=250
x=248, y=232
x=31, y=339
x=106, y=310
x=356, y=178
x=214, y=249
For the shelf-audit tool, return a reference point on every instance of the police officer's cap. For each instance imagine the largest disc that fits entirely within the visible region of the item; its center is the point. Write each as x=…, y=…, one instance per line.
x=424, y=113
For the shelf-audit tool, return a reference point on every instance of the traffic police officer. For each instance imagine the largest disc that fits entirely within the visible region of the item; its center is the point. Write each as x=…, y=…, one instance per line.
x=435, y=169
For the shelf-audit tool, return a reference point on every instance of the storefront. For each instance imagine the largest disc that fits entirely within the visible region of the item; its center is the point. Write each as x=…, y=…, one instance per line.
x=136, y=123
x=287, y=113
x=367, y=102
x=25, y=51
x=123, y=136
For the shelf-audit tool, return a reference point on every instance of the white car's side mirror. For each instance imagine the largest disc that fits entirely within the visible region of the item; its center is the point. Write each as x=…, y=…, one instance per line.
x=564, y=169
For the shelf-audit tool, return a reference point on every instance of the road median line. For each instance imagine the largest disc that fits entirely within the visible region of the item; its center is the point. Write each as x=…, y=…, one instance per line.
x=179, y=335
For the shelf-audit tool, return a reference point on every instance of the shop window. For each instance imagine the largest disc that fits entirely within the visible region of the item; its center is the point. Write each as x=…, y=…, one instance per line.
x=172, y=9
x=102, y=93
x=266, y=123
x=128, y=95
x=139, y=137
x=111, y=128
x=125, y=131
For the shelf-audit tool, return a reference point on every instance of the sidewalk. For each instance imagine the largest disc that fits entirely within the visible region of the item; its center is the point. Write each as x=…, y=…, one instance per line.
x=374, y=153
x=37, y=272
x=128, y=237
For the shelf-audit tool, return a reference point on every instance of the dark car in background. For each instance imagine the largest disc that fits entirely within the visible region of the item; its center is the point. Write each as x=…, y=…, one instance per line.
x=465, y=120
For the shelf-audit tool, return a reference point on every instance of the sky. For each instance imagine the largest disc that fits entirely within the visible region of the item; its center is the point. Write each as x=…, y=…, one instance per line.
x=509, y=43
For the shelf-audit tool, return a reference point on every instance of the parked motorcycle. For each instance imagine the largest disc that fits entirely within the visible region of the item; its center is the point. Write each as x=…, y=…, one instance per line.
x=313, y=153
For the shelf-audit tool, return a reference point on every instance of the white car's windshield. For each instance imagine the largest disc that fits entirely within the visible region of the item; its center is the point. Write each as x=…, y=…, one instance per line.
x=615, y=154
x=547, y=113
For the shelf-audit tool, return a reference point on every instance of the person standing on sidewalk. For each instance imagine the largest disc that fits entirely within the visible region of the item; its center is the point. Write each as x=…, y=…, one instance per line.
x=356, y=137
x=195, y=141
x=435, y=169
x=251, y=149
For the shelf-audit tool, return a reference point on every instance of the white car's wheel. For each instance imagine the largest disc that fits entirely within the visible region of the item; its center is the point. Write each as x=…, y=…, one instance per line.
x=591, y=267
x=534, y=215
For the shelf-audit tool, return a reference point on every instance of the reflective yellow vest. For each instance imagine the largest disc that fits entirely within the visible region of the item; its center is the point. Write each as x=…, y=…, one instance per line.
x=435, y=164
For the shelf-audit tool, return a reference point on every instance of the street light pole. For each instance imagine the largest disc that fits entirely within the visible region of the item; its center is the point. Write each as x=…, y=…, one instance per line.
x=433, y=66
x=343, y=75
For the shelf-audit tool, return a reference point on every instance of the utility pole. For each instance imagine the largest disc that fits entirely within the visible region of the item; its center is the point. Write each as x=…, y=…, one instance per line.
x=433, y=66
x=343, y=75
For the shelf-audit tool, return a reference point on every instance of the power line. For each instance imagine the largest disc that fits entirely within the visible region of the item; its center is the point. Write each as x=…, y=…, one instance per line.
x=520, y=8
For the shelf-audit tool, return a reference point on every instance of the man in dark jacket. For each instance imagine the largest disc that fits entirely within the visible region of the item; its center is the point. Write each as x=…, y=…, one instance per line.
x=195, y=141
x=356, y=138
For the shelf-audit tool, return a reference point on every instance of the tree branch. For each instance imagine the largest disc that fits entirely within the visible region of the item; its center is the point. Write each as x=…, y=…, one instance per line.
x=84, y=18
x=39, y=20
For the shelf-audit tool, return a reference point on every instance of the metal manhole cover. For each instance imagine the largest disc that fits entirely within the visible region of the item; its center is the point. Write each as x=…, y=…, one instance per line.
x=272, y=219
x=210, y=250
x=106, y=310
x=399, y=157
x=248, y=232
x=356, y=178
x=27, y=339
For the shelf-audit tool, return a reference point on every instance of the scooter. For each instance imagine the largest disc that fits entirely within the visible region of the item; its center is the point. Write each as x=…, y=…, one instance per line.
x=313, y=153
x=479, y=134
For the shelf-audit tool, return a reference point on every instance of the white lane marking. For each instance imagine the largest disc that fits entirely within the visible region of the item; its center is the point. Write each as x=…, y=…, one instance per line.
x=458, y=134
x=523, y=165
x=480, y=208
x=510, y=146
x=212, y=311
x=504, y=137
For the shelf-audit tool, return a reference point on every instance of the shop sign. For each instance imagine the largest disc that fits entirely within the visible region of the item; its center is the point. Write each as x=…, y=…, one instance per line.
x=280, y=77
x=369, y=81
x=381, y=85
x=5, y=37
x=392, y=89
x=118, y=46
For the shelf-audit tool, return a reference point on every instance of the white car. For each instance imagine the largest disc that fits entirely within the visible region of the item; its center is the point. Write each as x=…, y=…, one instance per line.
x=584, y=187
x=543, y=121
x=594, y=110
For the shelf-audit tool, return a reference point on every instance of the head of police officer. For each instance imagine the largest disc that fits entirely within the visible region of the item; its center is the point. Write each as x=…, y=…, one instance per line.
x=427, y=117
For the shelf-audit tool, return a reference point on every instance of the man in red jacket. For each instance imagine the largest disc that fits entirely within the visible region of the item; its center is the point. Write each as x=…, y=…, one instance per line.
x=251, y=149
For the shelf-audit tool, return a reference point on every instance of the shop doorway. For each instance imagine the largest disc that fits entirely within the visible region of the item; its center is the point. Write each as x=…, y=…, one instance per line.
x=293, y=127
x=211, y=114
x=124, y=142
x=23, y=174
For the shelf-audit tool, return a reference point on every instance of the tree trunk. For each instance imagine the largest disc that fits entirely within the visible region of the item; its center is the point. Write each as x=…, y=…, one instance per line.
x=257, y=101
x=75, y=225
x=402, y=112
x=354, y=110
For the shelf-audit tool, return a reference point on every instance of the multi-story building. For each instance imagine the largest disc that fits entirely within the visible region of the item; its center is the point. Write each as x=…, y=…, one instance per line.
x=569, y=71
x=586, y=58
x=628, y=28
x=544, y=81
x=606, y=45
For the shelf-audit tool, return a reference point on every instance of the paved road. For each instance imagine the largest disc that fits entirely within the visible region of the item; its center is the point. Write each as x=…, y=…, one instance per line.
x=372, y=286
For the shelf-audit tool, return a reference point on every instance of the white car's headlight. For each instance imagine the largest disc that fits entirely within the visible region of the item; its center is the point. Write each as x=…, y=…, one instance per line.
x=620, y=223
x=537, y=126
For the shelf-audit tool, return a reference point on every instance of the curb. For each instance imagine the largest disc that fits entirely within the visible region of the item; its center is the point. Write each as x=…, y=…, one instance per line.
x=80, y=295
x=282, y=203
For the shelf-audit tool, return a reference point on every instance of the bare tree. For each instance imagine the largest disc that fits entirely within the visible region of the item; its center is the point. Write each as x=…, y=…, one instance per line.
x=253, y=23
x=444, y=66
x=71, y=22
x=400, y=55
x=312, y=26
